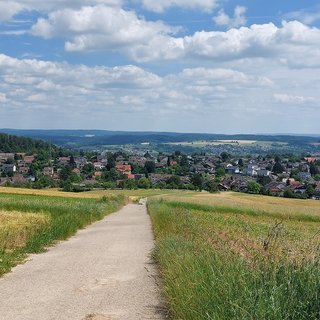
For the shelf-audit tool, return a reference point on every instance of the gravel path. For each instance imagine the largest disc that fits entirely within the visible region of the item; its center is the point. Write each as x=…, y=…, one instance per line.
x=102, y=273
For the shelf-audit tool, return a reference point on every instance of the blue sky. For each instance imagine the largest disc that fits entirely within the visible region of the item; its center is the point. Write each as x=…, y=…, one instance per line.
x=220, y=66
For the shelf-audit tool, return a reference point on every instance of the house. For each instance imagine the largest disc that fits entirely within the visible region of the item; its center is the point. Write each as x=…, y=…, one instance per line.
x=80, y=162
x=232, y=169
x=29, y=159
x=64, y=160
x=76, y=171
x=304, y=176
x=6, y=156
x=23, y=170
x=137, y=160
x=47, y=171
x=310, y=159
x=98, y=174
x=263, y=173
x=300, y=189
x=252, y=170
x=125, y=169
x=98, y=166
x=158, y=177
x=276, y=188
x=9, y=167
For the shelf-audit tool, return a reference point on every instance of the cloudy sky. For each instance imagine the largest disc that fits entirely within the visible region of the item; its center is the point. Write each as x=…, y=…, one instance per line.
x=216, y=66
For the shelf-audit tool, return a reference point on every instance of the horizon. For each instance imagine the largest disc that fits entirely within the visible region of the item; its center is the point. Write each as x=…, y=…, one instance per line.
x=171, y=66
x=169, y=132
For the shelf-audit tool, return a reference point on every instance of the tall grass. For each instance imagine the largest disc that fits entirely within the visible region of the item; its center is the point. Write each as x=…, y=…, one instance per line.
x=221, y=265
x=29, y=223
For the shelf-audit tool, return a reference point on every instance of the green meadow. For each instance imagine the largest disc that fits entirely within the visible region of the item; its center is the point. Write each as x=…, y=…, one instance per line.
x=226, y=256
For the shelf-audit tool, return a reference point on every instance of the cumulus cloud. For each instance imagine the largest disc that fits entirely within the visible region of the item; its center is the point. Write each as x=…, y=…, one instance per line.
x=291, y=99
x=161, y=6
x=52, y=93
x=114, y=29
x=100, y=28
x=10, y=8
x=238, y=19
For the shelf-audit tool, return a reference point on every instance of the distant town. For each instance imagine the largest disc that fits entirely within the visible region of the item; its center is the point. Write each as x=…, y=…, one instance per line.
x=276, y=175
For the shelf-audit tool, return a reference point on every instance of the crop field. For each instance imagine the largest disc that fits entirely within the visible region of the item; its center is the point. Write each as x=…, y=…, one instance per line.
x=29, y=223
x=95, y=194
x=234, y=256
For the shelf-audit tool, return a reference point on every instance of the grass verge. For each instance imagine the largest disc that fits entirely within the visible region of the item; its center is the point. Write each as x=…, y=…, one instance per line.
x=30, y=223
x=229, y=264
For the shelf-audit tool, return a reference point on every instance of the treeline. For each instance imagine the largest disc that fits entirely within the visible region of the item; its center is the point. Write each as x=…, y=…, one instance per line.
x=9, y=143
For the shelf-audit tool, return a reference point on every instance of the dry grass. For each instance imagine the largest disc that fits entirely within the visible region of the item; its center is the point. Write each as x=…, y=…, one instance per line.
x=17, y=227
x=95, y=194
x=282, y=206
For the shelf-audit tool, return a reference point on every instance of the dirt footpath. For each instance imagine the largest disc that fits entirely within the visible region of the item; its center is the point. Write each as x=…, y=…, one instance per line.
x=103, y=273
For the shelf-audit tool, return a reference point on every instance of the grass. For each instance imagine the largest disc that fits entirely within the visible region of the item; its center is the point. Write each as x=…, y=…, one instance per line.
x=140, y=193
x=240, y=258
x=30, y=223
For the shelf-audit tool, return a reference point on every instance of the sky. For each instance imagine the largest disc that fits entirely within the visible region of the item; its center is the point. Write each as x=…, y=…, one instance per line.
x=210, y=66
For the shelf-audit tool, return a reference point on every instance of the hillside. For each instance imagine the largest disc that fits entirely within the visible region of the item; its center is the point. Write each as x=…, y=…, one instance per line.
x=11, y=143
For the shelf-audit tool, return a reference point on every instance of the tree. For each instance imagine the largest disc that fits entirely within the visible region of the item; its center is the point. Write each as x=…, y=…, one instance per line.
x=224, y=156
x=277, y=168
x=310, y=191
x=314, y=169
x=220, y=172
x=111, y=161
x=65, y=173
x=211, y=186
x=150, y=166
x=254, y=187
x=197, y=181
x=184, y=161
x=88, y=169
x=144, y=183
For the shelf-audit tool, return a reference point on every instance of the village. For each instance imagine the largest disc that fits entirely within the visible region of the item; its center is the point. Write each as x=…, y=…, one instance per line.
x=294, y=177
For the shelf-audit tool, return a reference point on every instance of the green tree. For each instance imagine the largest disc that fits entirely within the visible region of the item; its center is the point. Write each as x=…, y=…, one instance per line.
x=144, y=183
x=197, y=181
x=254, y=187
x=150, y=166
x=277, y=168
x=310, y=191
x=211, y=186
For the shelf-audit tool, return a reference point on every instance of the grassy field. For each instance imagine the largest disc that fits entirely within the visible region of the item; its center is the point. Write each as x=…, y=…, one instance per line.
x=29, y=223
x=233, y=256
x=140, y=193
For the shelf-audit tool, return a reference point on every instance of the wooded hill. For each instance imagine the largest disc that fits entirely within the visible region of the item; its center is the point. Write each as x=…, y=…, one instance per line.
x=11, y=143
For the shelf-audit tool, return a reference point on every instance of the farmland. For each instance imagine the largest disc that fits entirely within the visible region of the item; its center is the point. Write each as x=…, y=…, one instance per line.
x=30, y=223
x=231, y=256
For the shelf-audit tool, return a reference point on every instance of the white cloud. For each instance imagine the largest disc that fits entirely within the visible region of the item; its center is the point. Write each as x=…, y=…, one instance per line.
x=9, y=9
x=238, y=19
x=306, y=16
x=291, y=99
x=42, y=93
x=162, y=5
x=100, y=28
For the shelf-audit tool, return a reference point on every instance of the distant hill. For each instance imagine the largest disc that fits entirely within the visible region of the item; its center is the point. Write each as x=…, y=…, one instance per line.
x=90, y=138
x=12, y=143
